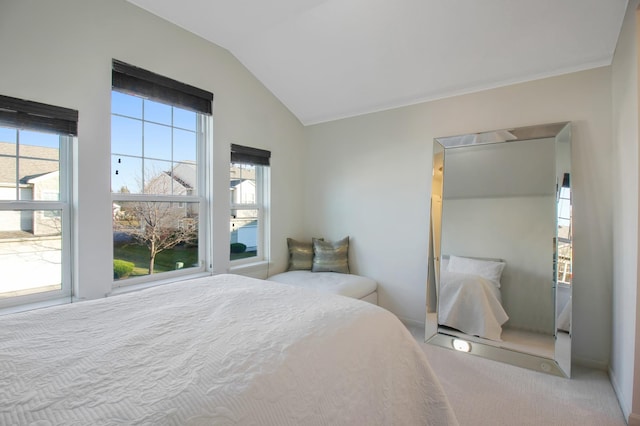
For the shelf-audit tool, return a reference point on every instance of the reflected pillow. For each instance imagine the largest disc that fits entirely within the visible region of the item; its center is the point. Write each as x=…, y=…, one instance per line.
x=488, y=269
x=300, y=255
x=331, y=256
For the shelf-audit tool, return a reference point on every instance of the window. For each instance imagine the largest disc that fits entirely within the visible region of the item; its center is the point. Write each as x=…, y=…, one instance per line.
x=35, y=201
x=249, y=183
x=564, y=234
x=159, y=163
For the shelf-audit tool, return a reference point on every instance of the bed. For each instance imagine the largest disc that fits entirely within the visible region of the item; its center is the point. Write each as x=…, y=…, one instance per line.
x=469, y=297
x=221, y=350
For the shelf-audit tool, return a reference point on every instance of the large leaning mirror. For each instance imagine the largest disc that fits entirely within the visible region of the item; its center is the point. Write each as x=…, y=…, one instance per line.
x=499, y=283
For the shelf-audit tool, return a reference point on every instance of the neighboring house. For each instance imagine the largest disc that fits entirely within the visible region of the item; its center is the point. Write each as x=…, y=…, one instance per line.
x=244, y=225
x=37, y=178
x=181, y=180
x=243, y=191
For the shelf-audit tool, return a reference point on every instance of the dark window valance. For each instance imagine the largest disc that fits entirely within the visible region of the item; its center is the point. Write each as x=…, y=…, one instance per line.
x=247, y=155
x=138, y=81
x=29, y=115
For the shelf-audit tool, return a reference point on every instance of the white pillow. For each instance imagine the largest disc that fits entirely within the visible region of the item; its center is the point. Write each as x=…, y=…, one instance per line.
x=488, y=269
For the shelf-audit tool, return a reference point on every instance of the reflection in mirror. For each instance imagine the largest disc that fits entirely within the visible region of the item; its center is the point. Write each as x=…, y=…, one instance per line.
x=499, y=281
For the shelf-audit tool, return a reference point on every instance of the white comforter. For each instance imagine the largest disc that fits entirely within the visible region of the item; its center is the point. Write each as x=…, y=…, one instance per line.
x=471, y=304
x=220, y=350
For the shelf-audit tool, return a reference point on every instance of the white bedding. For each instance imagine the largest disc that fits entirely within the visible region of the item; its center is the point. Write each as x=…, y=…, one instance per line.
x=471, y=304
x=220, y=350
x=349, y=285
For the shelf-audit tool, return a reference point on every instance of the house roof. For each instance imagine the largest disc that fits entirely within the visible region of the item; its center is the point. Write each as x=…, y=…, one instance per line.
x=35, y=161
x=185, y=174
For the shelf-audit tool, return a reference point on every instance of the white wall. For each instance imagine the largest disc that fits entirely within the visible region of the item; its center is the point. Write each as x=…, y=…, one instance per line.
x=59, y=52
x=625, y=354
x=370, y=177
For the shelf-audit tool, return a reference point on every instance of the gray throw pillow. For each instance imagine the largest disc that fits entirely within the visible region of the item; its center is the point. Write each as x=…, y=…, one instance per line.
x=300, y=255
x=331, y=256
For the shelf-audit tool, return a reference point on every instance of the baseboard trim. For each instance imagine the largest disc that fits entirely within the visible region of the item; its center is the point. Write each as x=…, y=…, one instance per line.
x=411, y=322
x=626, y=411
x=634, y=419
x=592, y=364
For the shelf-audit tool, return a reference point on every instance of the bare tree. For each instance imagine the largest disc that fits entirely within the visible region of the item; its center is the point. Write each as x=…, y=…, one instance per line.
x=159, y=225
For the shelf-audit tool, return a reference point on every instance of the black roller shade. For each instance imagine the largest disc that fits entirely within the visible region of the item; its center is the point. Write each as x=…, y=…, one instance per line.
x=247, y=155
x=29, y=115
x=137, y=81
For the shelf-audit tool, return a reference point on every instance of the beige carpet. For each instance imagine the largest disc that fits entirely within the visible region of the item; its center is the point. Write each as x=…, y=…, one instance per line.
x=484, y=392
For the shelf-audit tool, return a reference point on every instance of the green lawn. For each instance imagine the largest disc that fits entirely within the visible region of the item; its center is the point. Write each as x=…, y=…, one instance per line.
x=165, y=260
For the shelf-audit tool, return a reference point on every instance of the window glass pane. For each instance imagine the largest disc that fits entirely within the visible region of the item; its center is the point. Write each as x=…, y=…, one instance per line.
x=154, y=236
x=243, y=184
x=184, y=145
x=157, y=141
x=157, y=112
x=157, y=177
x=160, y=160
x=184, y=119
x=8, y=164
x=126, y=174
x=564, y=214
x=39, y=139
x=564, y=263
x=564, y=206
x=7, y=135
x=185, y=179
x=38, y=165
x=128, y=105
x=126, y=136
x=30, y=252
x=31, y=241
x=244, y=233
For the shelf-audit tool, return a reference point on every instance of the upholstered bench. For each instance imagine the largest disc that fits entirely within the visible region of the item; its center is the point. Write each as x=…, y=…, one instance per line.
x=349, y=285
x=324, y=266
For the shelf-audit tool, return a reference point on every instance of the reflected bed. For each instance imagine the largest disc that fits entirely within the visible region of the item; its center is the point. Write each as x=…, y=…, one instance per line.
x=471, y=304
x=469, y=297
x=217, y=350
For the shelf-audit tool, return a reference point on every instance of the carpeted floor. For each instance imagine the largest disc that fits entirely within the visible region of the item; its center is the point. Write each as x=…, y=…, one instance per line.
x=485, y=392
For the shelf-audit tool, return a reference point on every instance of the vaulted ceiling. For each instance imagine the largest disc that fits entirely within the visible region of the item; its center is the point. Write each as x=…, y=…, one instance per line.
x=330, y=59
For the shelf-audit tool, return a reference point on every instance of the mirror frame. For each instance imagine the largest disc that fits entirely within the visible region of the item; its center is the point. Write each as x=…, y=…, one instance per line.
x=560, y=364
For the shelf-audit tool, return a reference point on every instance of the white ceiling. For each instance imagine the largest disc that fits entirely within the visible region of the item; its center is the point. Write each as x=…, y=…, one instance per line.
x=330, y=59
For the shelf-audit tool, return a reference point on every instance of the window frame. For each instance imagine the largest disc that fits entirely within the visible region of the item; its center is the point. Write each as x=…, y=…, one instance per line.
x=564, y=261
x=203, y=165
x=22, y=115
x=134, y=81
x=260, y=159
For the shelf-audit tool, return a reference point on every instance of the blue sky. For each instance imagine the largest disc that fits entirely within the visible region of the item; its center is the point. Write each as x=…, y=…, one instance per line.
x=142, y=148
x=28, y=137
x=166, y=136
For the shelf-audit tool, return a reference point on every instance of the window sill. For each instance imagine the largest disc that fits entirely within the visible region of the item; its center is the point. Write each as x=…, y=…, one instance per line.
x=35, y=305
x=258, y=269
x=148, y=284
